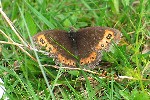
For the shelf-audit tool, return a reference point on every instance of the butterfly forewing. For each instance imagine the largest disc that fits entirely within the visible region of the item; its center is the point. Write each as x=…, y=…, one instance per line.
x=57, y=43
x=91, y=41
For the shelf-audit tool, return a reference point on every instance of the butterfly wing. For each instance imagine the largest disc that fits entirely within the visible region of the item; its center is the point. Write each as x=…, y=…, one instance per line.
x=92, y=40
x=58, y=44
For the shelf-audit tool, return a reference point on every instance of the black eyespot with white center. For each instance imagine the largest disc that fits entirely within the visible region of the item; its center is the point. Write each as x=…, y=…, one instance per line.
x=109, y=36
x=42, y=41
x=102, y=45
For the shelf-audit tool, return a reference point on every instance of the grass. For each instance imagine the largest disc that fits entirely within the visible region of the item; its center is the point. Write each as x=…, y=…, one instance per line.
x=25, y=78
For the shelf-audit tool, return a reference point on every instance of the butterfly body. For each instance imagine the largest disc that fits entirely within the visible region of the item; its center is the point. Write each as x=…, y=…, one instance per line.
x=83, y=46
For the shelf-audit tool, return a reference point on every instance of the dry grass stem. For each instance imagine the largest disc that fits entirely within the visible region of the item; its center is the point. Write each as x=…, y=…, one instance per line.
x=9, y=39
x=12, y=26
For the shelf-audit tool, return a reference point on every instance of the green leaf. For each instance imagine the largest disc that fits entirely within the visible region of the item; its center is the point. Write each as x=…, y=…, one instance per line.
x=30, y=23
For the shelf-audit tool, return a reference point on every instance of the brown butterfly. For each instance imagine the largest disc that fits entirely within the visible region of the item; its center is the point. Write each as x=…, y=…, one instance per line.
x=83, y=46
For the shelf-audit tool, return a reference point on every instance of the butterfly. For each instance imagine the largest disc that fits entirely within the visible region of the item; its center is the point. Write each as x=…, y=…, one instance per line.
x=83, y=47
